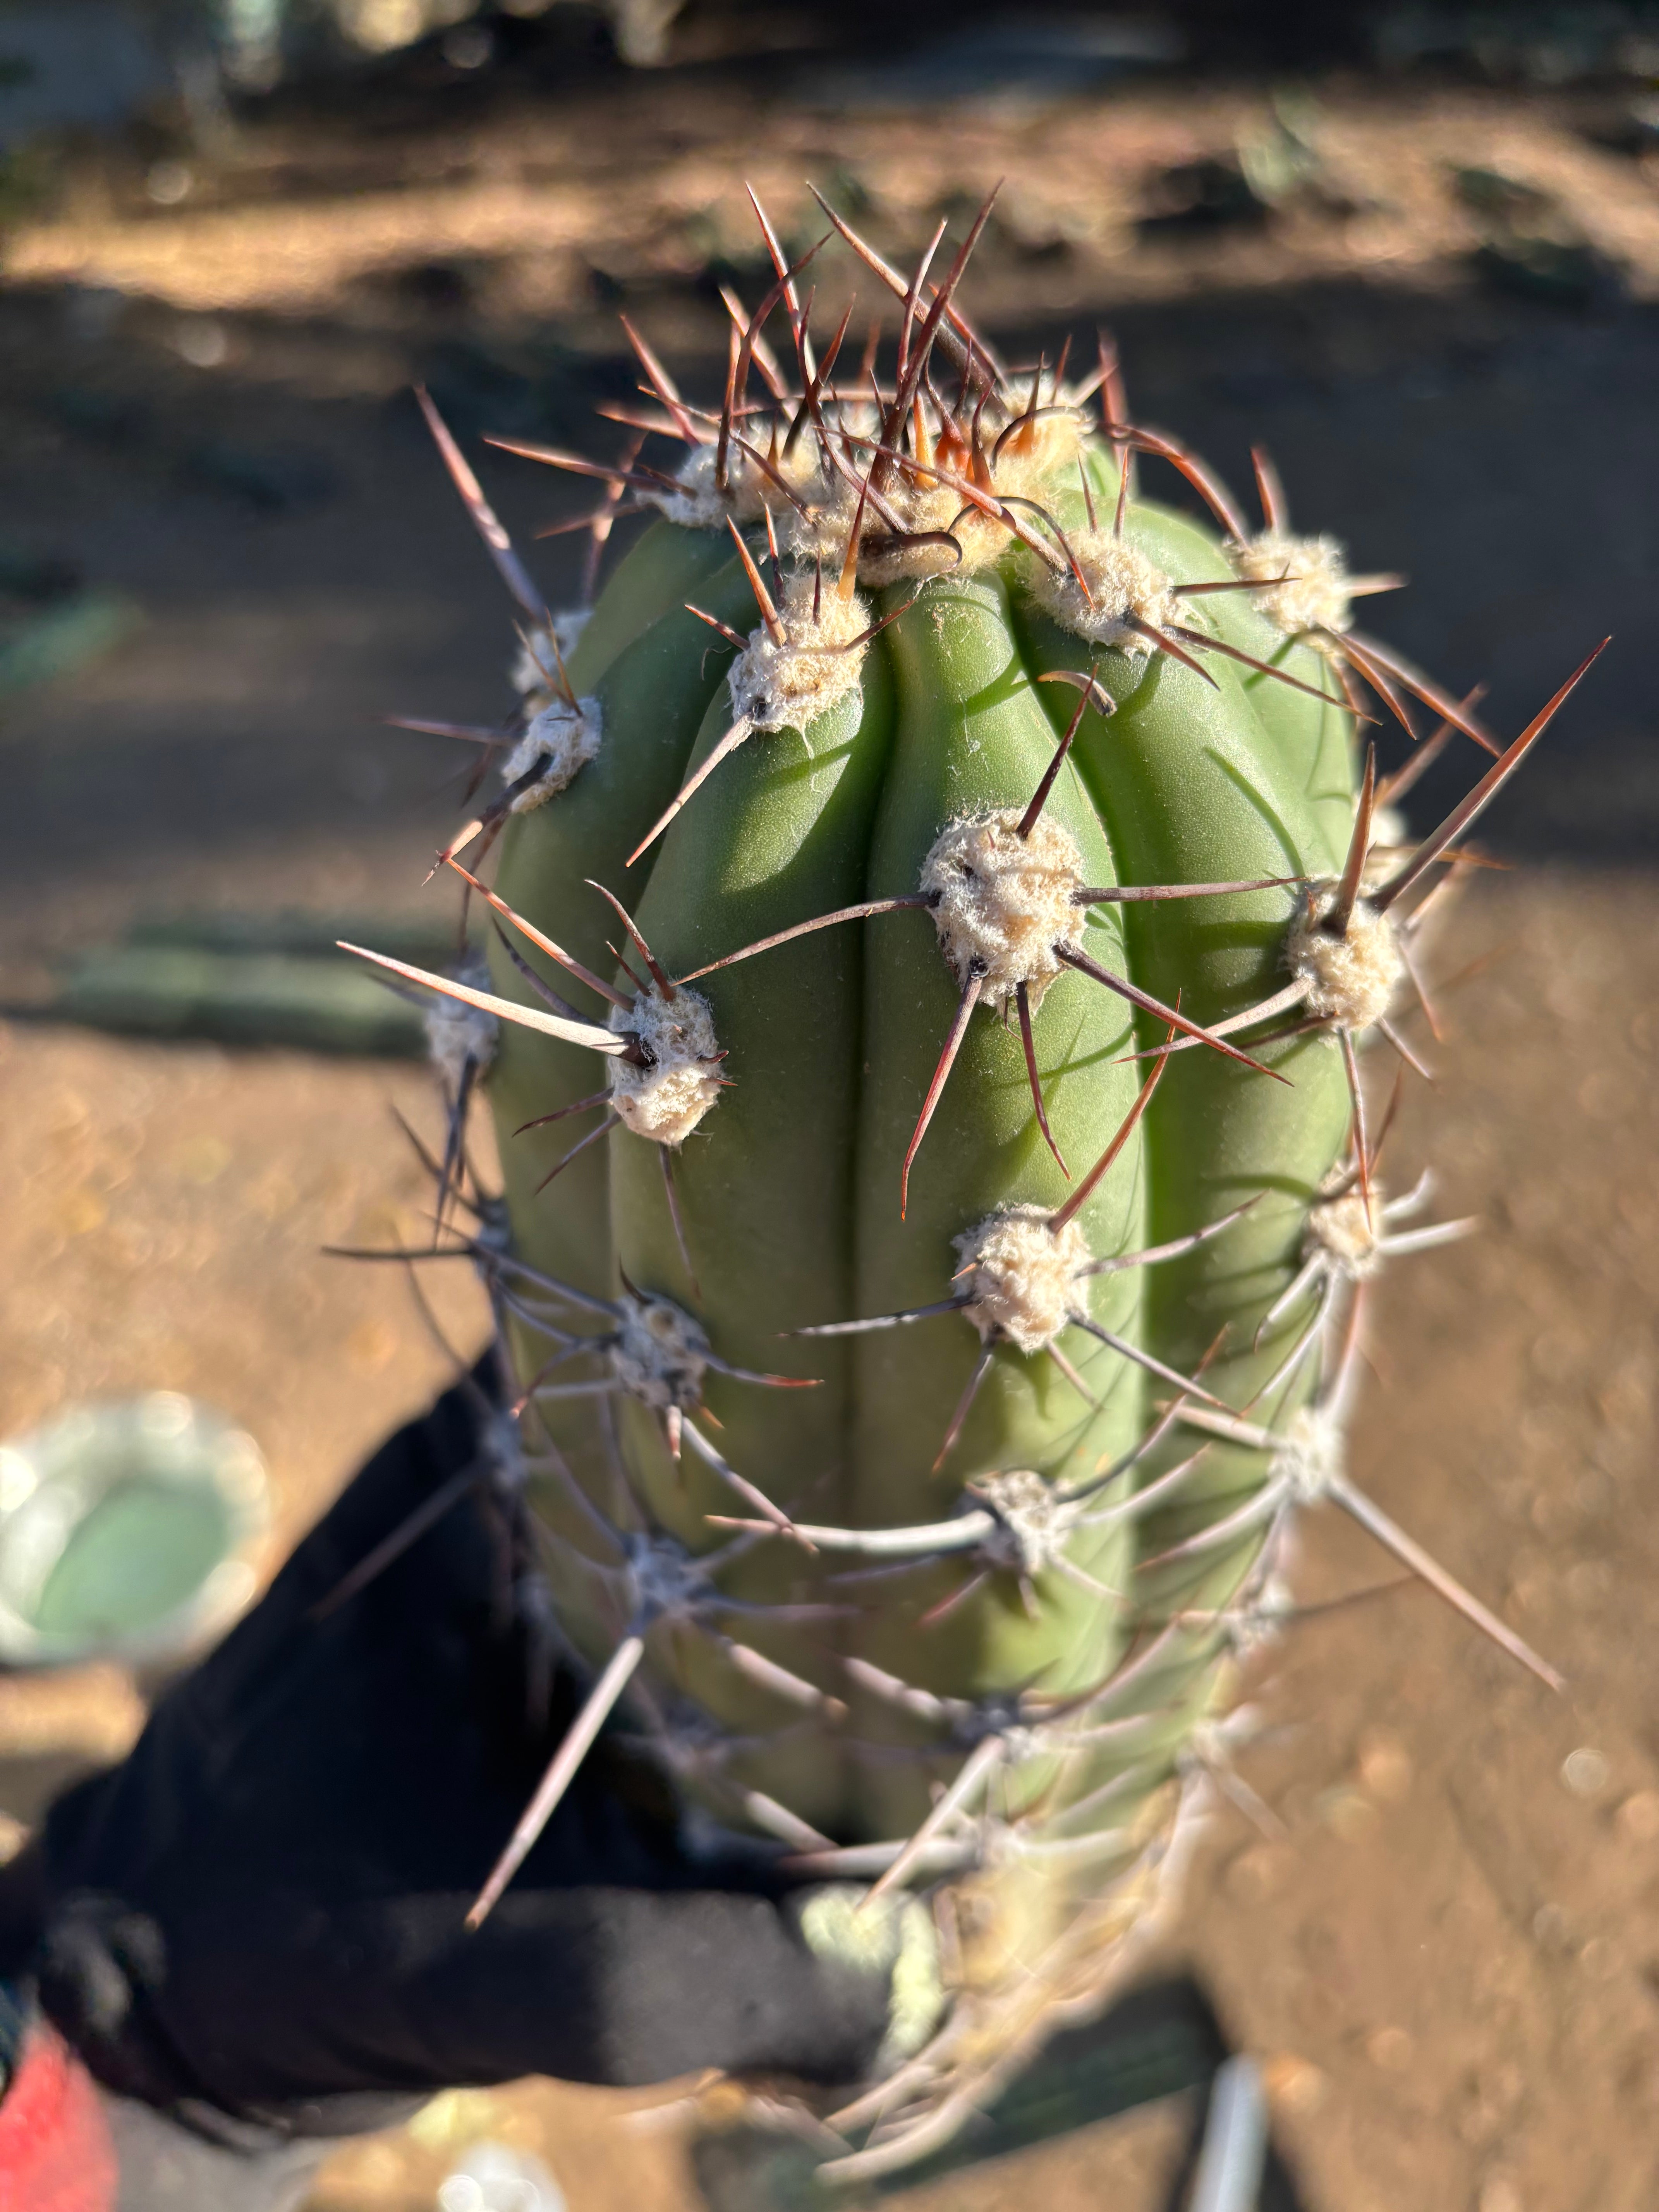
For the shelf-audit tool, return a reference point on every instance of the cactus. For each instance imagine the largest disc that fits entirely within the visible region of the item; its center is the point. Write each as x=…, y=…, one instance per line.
x=942, y=919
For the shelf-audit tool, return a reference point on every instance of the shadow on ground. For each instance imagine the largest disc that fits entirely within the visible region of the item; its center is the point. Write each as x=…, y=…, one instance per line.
x=303, y=567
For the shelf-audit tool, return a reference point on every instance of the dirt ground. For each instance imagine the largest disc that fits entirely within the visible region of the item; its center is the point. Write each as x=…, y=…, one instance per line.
x=1447, y=1964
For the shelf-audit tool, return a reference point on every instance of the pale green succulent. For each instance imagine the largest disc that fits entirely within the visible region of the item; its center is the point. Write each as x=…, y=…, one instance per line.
x=915, y=774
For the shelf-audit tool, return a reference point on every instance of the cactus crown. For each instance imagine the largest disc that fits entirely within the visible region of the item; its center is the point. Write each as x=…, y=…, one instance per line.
x=910, y=1499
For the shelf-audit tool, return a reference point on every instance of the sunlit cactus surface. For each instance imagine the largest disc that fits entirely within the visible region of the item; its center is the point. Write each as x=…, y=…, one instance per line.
x=952, y=962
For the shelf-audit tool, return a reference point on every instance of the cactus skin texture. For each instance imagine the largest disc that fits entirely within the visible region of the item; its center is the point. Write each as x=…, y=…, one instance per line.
x=913, y=1474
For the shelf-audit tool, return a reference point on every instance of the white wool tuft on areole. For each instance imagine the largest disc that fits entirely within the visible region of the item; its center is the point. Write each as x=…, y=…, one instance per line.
x=660, y=1355
x=667, y=1100
x=1002, y=902
x=563, y=738
x=927, y=509
x=459, y=1036
x=535, y=669
x=1021, y=1277
x=1340, y=1227
x=1037, y=453
x=785, y=687
x=1349, y=980
x=1032, y=1523
x=1312, y=1453
x=1305, y=580
x=695, y=501
x=1125, y=586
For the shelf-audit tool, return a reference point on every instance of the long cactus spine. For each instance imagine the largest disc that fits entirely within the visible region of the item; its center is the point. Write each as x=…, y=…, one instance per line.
x=940, y=922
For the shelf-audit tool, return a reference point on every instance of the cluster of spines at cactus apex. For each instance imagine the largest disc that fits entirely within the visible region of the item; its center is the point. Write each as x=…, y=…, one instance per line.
x=1035, y=611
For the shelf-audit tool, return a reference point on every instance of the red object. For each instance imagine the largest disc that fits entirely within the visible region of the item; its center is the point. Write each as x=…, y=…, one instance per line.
x=55, y=2153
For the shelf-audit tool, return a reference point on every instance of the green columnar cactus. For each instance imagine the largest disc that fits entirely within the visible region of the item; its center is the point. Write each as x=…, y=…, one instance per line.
x=940, y=921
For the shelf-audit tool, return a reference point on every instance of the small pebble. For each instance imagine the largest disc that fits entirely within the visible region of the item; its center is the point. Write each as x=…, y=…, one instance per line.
x=468, y=47
x=1385, y=1769
x=202, y=1159
x=1600, y=1959
x=1253, y=1874
x=1391, y=2049
x=202, y=343
x=168, y=182
x=1348, y=1814
x=1586, y=1773
x=1637, y=1818
x=370, y=1346
x=1549, y=1928
x=79, y=1212
x=1293, y=2085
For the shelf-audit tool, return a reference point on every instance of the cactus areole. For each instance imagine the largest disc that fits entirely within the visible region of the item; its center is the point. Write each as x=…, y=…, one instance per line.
x=941, y=945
